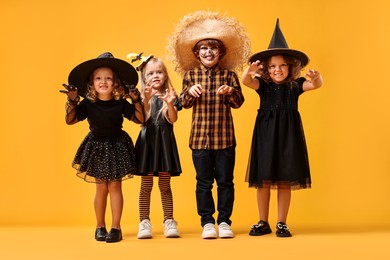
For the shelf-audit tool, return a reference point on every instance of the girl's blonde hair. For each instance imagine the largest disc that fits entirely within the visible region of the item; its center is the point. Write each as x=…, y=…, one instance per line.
x=167, y=85
x=117, y=93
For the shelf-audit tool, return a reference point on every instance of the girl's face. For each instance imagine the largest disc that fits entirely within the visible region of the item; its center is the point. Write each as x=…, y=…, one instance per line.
x=155, y=75
x=209, y=55
x=278, y=69
x=103, y=83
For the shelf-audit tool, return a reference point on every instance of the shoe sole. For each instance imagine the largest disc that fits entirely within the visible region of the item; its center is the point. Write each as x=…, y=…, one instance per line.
x=114, y=241
x=144, y=237
x=210, y=236
x=259, y=234
x=278, y=235
x=226, y=236
x=172, y=236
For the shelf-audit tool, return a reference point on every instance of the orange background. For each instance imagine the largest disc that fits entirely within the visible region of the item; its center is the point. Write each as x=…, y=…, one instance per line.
x=346, y=122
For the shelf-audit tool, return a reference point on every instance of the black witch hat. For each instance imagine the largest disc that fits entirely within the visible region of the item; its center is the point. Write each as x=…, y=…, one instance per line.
x=79, y=76
x=278, y=46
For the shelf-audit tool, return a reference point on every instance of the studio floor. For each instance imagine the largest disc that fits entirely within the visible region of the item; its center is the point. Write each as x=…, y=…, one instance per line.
x=73, y=243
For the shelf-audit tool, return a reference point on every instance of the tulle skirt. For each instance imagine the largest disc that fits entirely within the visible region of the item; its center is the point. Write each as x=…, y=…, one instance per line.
x=105, y=159
x=278, y=157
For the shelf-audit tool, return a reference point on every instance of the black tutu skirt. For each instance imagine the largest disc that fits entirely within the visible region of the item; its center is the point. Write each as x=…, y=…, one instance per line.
x=102, y=160
x=156, y=150
x=278, y=155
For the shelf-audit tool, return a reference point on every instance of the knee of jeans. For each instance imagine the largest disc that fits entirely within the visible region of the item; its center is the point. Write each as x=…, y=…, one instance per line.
x=225, y=184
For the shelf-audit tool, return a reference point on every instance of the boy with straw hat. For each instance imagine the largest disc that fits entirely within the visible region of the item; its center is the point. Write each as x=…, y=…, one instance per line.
x=205, y=49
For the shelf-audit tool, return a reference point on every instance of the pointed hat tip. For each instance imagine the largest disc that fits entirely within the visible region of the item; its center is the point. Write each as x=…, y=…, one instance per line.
x=278, y=40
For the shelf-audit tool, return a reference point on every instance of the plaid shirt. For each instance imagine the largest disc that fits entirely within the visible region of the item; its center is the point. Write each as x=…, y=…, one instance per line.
x=212, y=122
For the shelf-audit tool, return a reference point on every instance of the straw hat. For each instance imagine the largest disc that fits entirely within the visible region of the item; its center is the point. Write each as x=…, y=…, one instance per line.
x=201, y=25
x=278, y=46
x=79, y=76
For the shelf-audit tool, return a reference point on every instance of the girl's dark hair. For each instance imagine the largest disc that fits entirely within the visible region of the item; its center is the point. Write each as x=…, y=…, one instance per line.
x=118, y=91
x=212, y=43
x=294, y=69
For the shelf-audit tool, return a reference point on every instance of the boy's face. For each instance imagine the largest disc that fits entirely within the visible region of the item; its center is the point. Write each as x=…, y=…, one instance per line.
x=209, y=55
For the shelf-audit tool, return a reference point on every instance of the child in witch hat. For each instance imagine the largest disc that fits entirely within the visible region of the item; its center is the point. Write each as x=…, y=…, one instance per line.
x=106, y=156
x=207, y=48
x=278, y=156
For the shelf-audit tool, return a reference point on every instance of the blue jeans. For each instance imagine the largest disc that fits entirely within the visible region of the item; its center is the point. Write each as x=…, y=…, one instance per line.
x=218, y=165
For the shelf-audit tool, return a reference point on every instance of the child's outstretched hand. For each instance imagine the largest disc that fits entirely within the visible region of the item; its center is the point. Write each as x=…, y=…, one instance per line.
x=255, y=69
x=149, y=92
x=312, y=74
x=225, y=90
x=196, y=90
x=71, y=91
x=169, y=97
x=314, y=82
x=134, y=95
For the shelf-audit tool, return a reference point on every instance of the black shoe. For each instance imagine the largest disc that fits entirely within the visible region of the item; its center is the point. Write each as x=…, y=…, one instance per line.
x=282, y=230
x=101, y=234
x=115, y=235
x=259, y=229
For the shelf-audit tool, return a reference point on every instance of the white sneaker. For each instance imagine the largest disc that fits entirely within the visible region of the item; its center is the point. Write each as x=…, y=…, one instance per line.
x=209, y=231
x=170, y=229
x=224, y=230
x=145, y=229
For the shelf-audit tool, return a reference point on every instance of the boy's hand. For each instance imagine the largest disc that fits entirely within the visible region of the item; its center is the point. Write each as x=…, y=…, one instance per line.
x=225, y=90
x=196, y=90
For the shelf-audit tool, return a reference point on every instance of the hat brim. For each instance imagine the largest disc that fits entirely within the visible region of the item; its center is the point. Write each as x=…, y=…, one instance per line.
x=202, y=25
x=280, y=51
x=79, y=76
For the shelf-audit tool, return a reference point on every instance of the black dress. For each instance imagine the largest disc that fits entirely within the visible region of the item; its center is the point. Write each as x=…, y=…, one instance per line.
x=278, y=153
x=156, y=148
x=107, y=152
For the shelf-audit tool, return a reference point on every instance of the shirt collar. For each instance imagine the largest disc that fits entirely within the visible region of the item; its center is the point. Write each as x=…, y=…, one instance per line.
x=213, y=68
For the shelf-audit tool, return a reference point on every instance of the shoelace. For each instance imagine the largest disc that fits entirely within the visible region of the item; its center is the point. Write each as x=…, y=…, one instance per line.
x=145, y=225
x=224, y=226
x=170, y=224
x=208, y=227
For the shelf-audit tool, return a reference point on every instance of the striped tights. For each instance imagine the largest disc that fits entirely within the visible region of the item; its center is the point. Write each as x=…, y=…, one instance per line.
x=164, y=184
